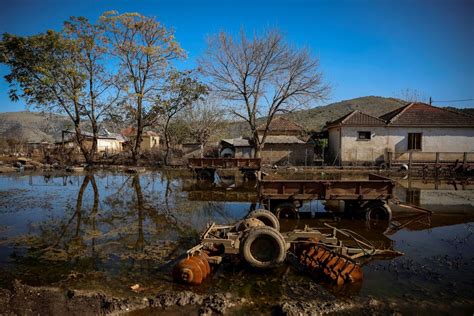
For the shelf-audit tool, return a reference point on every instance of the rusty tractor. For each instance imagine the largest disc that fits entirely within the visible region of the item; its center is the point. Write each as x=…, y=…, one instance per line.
x=259, y=243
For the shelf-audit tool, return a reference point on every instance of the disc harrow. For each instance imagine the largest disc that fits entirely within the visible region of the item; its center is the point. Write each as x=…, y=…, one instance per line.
x=320, y=261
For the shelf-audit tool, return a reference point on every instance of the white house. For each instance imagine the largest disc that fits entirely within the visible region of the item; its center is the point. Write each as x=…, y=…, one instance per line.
x=417, y=132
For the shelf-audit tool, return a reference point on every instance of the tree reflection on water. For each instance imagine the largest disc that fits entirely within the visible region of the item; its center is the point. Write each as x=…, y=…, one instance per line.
x=110, y=221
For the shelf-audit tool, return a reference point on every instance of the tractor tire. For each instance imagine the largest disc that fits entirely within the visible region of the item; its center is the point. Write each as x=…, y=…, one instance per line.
x=263, y=247
x=381, y=212
x=267, y=217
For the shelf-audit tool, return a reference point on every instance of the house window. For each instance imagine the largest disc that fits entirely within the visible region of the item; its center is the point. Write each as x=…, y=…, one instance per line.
x=414, y=141
x=364, y=135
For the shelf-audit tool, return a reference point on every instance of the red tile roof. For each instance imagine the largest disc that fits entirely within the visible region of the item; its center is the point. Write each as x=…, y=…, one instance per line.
x=282, y=124
x=357, y=118
x=421, y=114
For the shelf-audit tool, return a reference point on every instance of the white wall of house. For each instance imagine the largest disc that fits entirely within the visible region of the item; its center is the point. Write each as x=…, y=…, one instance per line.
x=395, y=139
x=109, y=145
x=433, y=139
x=354, y=149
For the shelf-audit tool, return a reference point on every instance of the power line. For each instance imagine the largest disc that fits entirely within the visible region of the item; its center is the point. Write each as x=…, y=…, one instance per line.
x=459, y=100
x=462, y=100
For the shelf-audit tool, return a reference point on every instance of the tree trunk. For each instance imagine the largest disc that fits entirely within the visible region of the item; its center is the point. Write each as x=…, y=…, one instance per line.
x=81, y=143
x=138, y=138
x=167, y=142
x=95, y=135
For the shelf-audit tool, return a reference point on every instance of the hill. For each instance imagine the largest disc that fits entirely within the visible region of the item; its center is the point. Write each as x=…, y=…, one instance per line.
x=32, y=126
x=314, y=119
x=36, y=127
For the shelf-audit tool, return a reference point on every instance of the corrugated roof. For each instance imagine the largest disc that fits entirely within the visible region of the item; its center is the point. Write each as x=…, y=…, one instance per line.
x=238, y=142
x=356, y=117
x=421, y=114
x=282, y=124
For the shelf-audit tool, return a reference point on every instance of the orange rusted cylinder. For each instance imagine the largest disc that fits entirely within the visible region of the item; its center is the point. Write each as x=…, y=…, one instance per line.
x=192, y=270
x=188, y=272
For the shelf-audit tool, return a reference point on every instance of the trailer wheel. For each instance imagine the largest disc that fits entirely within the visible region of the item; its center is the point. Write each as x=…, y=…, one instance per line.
x=205, y=174
x=267, y=217
x=263, y=247
x=380, y=212
x=286, y=210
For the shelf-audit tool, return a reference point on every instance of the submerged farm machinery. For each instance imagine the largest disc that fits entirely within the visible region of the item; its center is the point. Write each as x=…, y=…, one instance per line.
x=258, y=242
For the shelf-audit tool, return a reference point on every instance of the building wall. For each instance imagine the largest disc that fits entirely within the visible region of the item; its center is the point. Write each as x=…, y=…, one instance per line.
x=149, y=142
x=355, y=150
x=294, y=154
x=334, y=145
x=434, y=139
x=109, y=145
x=243, y=152
x=395, y=139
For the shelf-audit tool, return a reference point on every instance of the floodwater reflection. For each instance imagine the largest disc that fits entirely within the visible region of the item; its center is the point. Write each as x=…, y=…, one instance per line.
x=111, y=230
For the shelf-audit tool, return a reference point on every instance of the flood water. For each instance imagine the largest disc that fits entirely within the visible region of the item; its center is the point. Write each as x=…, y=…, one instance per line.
x=108, y=231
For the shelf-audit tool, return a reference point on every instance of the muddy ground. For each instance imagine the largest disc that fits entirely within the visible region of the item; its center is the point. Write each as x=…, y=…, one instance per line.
x=28, y=300
x=303, y=298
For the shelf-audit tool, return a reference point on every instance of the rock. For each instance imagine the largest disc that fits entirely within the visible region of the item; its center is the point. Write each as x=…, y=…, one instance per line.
x=216, y=303
x=169, y=299
x=135, y=287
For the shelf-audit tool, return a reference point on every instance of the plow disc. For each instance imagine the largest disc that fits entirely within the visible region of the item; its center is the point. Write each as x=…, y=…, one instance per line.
x=192, y=270
x=320, y=261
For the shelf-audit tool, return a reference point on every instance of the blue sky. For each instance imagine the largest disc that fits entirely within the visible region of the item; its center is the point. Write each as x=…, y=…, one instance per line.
x=365, y=47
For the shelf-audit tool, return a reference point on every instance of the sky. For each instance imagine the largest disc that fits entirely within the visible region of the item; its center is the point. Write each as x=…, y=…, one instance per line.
x=365, y=47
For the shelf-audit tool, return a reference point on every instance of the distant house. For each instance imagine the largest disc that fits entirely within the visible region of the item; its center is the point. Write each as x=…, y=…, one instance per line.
x=150, y=139
x=284, y=144
x=236, y=148
x=106, y=142
x=281, y=126
x=415, y=132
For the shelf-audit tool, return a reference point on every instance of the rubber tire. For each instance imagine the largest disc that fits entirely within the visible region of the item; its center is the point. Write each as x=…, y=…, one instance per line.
x=284, y=207
x=277, y=241
x=383, y=208
x=267, y=217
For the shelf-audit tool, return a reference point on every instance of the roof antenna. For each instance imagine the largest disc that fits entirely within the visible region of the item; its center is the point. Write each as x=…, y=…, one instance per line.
x=430, y=101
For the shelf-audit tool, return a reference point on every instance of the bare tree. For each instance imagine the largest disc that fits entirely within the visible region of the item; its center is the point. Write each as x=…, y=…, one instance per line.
x=181, y=91
x=204, y=119
x=412, y=95
x=145, y=49
x=262, y=76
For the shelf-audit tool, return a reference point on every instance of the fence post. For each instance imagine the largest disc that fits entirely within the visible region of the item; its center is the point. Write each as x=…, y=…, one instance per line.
x=410, y=154
x=464, y=159
x=437, y=160
x=389, y=157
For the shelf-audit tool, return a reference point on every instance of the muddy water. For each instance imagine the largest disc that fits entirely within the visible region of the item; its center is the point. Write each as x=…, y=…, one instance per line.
x=108, y=231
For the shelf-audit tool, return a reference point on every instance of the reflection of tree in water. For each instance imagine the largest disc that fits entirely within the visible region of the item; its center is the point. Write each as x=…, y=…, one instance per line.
x=61, y=239
x=144, y=218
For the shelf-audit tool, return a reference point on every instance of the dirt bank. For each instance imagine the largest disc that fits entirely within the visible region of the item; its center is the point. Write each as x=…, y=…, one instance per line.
x=27, y=300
